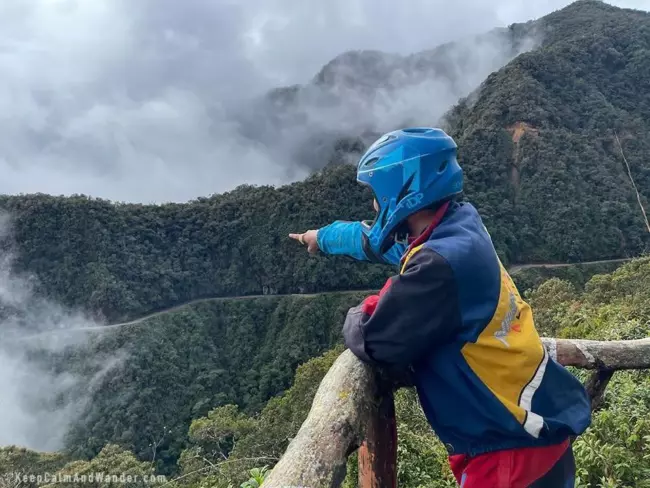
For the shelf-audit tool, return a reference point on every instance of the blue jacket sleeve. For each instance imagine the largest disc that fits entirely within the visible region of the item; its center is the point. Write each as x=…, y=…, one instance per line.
x=418, y=311
x=346, y=238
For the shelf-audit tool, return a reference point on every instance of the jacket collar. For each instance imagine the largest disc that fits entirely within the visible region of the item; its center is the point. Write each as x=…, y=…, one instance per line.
x=437, y=218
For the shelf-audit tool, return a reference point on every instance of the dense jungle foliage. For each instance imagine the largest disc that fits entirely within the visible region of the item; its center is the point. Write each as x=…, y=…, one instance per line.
x=537, y=142
x=577, y=274
x=178, y=366
x=213, y=353
x=225, y=442
x=203, y=394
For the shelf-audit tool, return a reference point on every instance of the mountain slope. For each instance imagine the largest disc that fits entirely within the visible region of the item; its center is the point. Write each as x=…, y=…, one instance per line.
x=124, y=260
x=536, y=141
x=179, y=365
x=359, y=94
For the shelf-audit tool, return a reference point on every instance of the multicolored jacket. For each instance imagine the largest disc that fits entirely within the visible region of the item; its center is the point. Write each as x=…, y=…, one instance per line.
x=455, y=317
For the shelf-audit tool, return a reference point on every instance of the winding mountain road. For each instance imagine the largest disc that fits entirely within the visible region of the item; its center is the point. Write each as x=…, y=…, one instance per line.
x=141, y=320
x=519, y=267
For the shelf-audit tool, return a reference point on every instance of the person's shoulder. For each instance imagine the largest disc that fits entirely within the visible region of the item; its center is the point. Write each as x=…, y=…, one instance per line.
x=465, y=244
x=425, y=259
x=461, y=233
x=465, y=209
x=424, y=255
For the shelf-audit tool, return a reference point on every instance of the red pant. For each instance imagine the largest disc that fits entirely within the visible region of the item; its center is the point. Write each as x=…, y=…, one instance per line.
x=551, y=466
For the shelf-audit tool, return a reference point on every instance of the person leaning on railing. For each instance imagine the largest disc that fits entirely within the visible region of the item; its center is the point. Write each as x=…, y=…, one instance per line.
x=504, y=409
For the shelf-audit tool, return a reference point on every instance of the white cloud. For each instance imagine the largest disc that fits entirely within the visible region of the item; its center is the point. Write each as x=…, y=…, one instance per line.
x=38, y=402
x=134, y=100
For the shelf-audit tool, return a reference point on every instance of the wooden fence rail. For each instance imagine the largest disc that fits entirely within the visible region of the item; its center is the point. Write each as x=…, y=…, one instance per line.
x=353, y=409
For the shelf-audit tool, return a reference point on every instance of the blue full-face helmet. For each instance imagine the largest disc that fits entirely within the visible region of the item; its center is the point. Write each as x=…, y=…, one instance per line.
x=408, y=170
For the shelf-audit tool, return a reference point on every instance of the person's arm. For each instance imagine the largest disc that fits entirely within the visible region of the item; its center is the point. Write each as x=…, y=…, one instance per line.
x=346, y=238
x=414, y=312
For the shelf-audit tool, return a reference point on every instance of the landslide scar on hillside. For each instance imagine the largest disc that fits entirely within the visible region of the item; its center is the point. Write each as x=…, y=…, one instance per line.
x=517, y=130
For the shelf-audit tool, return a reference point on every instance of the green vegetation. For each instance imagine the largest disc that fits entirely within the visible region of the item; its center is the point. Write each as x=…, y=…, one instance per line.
x=112, y=466
x=246, y=442
x=227, y=441
x=113, y=461
x=578, y=275
x=614, y=452
x=179, y=366
x=537, y=142
x=126, y=260
x=204, y=394
x=27, y=463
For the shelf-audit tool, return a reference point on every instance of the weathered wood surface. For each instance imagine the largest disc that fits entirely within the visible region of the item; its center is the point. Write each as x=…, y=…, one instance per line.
x=350, y=410
x=596, y=385
x=378, y=453
x=344, y=406
x=600, y=354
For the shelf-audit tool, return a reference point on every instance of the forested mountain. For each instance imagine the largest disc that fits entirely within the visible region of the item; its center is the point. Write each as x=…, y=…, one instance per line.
x=537, y=141
x=612, y=453
x=361, y=93
x=180, y=365
x=123, y=260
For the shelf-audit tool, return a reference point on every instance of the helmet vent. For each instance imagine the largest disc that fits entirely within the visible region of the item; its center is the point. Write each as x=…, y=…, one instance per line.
x=443, y=166
x=417, y=130
x=370, y=162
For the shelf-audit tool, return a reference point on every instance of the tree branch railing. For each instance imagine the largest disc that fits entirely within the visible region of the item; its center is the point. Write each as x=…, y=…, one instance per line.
x=354, y=410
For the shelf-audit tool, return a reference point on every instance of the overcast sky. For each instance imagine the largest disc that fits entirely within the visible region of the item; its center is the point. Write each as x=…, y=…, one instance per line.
x=124, y=99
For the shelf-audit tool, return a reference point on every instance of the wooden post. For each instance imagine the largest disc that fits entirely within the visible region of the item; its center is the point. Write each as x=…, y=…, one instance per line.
x=344, y=406
x=596, y=385
x=378, y=453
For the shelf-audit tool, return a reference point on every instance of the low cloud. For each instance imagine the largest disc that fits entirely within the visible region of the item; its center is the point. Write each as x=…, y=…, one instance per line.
x=149, y=101
x=41, y=395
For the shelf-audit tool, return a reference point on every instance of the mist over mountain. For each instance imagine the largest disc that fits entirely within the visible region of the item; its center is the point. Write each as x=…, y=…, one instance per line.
x=536, y=108
x=40, y=399
x=361, y=94
x=150, y=101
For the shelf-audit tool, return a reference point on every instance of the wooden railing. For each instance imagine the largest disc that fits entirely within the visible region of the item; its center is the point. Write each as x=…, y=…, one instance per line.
x=353, y=409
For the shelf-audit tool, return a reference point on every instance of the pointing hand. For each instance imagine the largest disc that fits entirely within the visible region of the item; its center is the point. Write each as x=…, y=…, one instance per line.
x=307, y=239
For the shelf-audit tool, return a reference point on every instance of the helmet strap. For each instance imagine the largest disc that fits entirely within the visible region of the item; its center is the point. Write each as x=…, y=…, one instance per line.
x=401, y=238
x=401, y=235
